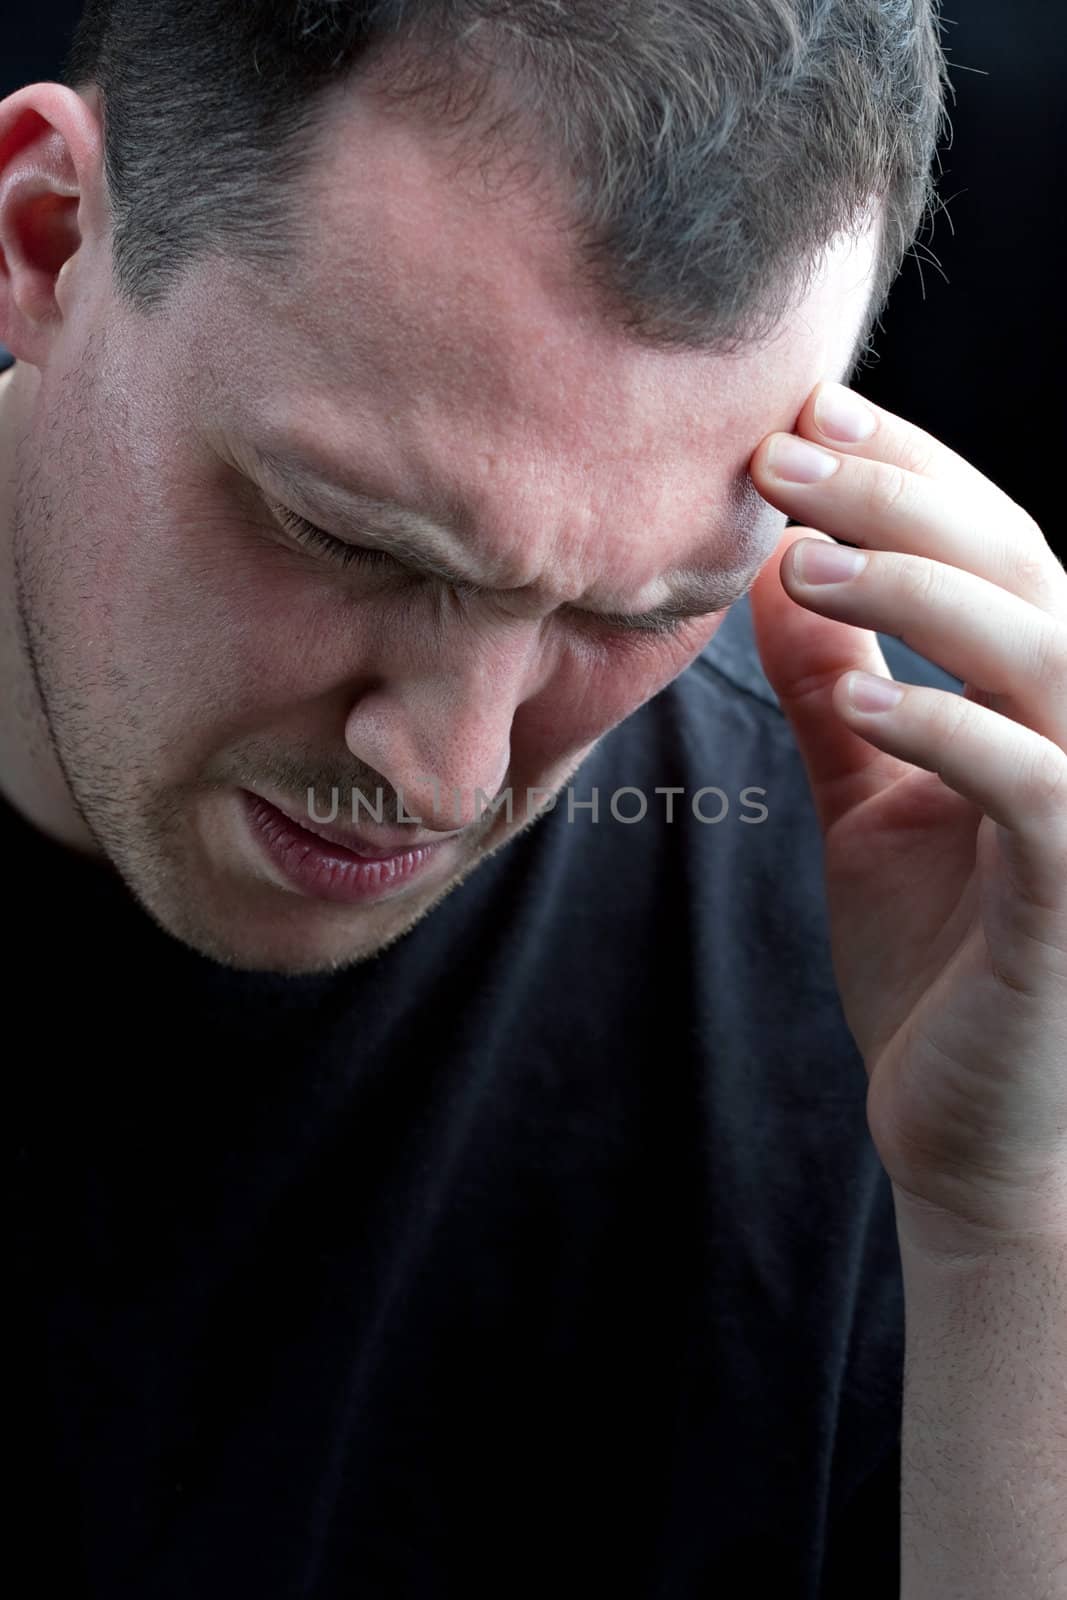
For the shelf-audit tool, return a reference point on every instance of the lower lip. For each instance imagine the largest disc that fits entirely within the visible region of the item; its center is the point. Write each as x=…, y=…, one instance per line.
x=327, y=871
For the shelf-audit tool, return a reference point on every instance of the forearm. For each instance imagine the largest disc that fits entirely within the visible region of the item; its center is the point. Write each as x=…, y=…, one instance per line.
x=984, y=1442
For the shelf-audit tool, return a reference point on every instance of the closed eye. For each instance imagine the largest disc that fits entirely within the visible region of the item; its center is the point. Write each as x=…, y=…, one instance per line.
x=654, y=628
x=339, y=550
x=349, y=555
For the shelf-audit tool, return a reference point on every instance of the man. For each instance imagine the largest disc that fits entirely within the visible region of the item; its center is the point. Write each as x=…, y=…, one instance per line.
x=445, y=1156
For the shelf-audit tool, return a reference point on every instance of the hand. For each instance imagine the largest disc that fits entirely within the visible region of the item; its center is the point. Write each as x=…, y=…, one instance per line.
x=944, y=819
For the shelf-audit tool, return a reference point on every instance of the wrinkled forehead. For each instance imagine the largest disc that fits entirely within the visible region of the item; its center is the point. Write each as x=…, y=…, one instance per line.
x=441, y=338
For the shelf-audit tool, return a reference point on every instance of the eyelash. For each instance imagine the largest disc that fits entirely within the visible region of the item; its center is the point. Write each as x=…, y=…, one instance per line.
x=669, y=628
x=349, y=555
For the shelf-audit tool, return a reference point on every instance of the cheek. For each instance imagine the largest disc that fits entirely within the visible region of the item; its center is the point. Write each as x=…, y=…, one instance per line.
x=599, y=684
x=208, y=630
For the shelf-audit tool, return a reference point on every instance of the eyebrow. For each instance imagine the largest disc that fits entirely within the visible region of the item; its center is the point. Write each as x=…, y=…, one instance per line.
x=427, y=547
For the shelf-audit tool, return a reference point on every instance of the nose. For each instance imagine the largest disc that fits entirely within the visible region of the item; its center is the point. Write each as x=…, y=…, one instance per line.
x=441, y=733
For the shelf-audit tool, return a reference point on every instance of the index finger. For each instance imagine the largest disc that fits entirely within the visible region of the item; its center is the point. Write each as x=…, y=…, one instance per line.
x=832, y=414
x=901, y=489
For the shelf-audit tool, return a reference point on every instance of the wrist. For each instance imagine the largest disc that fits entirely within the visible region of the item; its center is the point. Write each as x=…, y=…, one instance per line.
x=929, y=1237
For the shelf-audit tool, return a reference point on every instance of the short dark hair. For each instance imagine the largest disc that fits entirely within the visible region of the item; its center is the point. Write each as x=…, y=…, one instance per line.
x=708, y=150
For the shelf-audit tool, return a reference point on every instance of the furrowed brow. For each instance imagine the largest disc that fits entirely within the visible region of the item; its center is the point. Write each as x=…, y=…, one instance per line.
x=699, y=594
x=412, y=537
x=427, y=547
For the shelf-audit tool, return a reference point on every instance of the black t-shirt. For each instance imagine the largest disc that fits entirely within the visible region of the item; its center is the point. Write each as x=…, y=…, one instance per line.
x=546, y=1253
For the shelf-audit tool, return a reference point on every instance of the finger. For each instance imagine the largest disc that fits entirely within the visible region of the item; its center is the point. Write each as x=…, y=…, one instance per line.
x=1011, y=773
x=902, y=490
x=1001, y=645
x=803, y=655
x=833, y=415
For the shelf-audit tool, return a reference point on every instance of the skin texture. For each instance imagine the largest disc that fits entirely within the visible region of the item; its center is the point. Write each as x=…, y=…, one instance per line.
x=163, y=640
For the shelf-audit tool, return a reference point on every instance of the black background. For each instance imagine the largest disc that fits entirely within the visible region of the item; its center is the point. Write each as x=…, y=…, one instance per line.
x=972, y=337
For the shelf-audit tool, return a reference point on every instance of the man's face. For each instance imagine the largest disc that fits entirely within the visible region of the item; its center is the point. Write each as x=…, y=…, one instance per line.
x=431, y=351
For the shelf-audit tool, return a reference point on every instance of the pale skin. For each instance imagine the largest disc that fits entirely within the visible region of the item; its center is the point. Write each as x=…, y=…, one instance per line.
x=947, y=813
x=944, y=823
x=433, y=351
x=433, y=346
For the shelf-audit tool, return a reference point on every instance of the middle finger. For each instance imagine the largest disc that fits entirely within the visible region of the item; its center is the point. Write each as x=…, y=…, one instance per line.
x=883, y=506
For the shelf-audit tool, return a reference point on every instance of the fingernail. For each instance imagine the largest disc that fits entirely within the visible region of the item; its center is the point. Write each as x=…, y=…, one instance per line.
x=842, y=415
x=868, y=693
x=796, y=461
x=818, y=561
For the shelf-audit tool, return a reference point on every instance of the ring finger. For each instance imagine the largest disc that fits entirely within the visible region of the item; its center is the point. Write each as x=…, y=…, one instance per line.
x=995, y=641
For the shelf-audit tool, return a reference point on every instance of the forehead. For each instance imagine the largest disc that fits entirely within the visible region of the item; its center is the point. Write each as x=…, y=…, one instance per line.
x=437, y=339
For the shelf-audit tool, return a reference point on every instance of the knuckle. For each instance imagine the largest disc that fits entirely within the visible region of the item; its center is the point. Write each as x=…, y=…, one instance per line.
x=1038, y=573
x=1042, y=779
x=950, y=715
x=890, y=491
x=919, y=454
x=1051, y=661
x=922, y=584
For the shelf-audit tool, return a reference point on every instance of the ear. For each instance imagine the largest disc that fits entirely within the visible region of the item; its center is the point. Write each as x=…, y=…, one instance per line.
x=54, y=217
